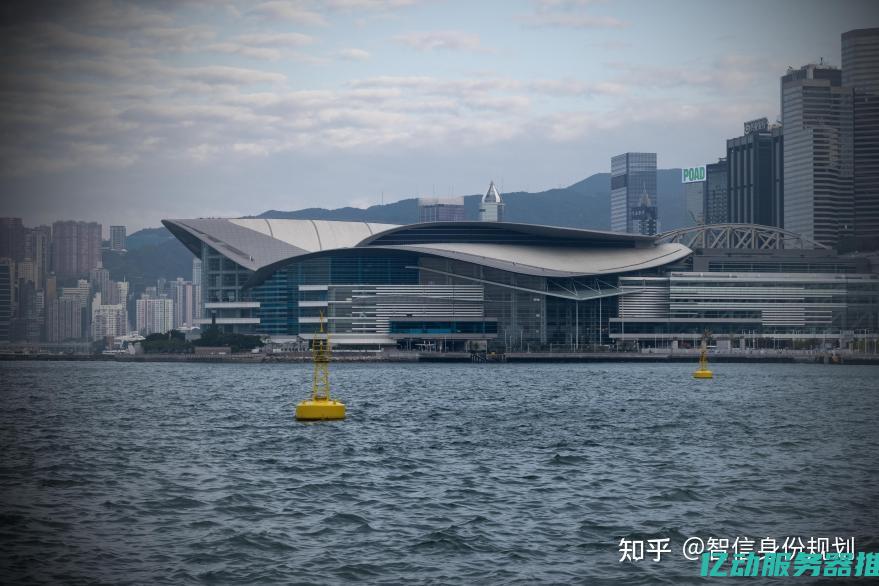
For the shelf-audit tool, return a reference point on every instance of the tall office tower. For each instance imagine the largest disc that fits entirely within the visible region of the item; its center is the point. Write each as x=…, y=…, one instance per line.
x=26, y=321
x=694, y=182
x=178, y=292
x=860, y=71
x=817, y=128
x=117, y=238
x=25, y=271
x=51, y=288
x=435, y=209
x=716, y=193
x=37, y=248
x=755, y=164
x=100, y=281
x=186, y=303
x=82, y=293
x=118, y=293
x=154, y=316
x=76, y=247
x=196, y=271
x=7, y=297
x=632, y=176
x=491, y=208
x=64, y=319
x=12, y=236
x=644, y=216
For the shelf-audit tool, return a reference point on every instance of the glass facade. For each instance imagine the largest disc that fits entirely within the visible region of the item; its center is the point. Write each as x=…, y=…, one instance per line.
x=860, y=71
x=633, y=185
x=817, y=126
x=755, y=178
x=716, y=193
x=786, y=306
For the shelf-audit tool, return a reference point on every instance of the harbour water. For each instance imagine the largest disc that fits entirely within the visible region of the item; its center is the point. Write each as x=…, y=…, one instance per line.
x=442, y=474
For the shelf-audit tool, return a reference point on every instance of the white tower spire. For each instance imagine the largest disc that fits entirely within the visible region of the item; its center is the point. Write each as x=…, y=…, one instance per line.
x=491, y=209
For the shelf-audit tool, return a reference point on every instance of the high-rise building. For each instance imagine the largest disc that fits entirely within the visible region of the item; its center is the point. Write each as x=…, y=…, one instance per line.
x=435, y=209
x=100, y=281
x=12, y=236
x=117, y=238
x=37, y=248
x=632, y=185
x=7, y=296
x=64, y=319
x=693, y=179
x=25, y=271
x=860, y=71
x=154, y=316
x=118, y=293
x=716, y=193
x=491, y=208
x=76, y=248
x=108, y=320
x=196, y=271
x=187, y=301
x=817, y=128
x=755, y=167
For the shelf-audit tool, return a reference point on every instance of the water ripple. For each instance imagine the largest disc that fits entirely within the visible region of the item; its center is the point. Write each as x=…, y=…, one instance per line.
x=442, y=474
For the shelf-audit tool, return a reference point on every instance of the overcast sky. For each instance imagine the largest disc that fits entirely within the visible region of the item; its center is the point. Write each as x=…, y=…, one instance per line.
x=130, y=112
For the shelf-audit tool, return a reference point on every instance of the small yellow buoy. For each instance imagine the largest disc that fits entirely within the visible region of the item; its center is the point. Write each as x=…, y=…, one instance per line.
x=320, y=406
x=702, y=371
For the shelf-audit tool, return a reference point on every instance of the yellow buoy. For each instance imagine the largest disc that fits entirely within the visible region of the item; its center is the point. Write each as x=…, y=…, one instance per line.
x=320, y=406
x=702, y=371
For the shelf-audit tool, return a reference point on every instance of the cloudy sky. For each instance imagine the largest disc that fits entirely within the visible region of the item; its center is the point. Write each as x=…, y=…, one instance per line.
x=130, y=112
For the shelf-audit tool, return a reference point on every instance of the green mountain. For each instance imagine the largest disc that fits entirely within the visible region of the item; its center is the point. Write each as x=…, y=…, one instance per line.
x=585, y=204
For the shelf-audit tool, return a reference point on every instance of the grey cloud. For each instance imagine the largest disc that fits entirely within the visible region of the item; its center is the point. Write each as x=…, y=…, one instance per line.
x=441, y=40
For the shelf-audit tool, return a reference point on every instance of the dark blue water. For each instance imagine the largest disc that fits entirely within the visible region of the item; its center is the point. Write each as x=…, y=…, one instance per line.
x=460, y=474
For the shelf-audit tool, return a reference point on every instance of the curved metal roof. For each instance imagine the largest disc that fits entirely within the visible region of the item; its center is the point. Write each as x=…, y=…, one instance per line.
x=314, y=235
x=555, y=261
x=254, y=243
x=504, y=233
x=263, y=245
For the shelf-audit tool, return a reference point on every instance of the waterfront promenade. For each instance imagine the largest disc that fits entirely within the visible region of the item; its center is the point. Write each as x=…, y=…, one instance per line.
x=662, y=355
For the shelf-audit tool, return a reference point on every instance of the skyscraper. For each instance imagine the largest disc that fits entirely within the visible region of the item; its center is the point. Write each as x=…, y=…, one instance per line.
x=64, y=319
x=154, y=316
x=12, y=236
x=117, y=238
x=76, y=247
x=491, y=208
x=108, y=320
x=37, y=248
x=633, y=185
x=817, y=129
x=860, y=71
x=756, y=178
x=7, y=278
x=435, y=209
x=716, y=193
x=693, y=179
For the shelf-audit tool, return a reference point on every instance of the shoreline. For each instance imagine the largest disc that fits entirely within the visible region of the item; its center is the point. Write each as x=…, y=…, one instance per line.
x=461, y=357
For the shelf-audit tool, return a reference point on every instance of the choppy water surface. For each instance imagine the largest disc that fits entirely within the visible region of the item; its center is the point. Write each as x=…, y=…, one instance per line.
x=176, y=473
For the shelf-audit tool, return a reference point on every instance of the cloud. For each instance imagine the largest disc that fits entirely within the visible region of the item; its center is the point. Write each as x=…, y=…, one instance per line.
x=295, y=12
x=576, y=21
x=276, y=39
x=353, y=54
x=441, y=40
